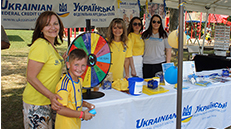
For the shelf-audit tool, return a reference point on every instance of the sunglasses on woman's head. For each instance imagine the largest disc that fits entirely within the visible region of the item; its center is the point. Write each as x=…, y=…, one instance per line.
x=135, y=24
x=155, y=22
x=117, y=19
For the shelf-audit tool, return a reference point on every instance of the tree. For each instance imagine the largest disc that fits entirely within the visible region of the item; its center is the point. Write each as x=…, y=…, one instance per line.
x=173, y=19
x=102, y=31
x=229, y=18
x=142, y=11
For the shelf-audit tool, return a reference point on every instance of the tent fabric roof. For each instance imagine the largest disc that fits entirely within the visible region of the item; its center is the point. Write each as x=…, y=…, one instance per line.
x=216, y=18
x=216, y=6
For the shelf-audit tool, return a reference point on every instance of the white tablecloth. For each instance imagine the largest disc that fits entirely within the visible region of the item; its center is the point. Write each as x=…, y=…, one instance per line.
x=202, y=107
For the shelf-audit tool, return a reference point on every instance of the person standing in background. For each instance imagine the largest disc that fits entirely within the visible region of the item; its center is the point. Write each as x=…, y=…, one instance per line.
x=161, y=10
x=44, y=69
x=157, y=49
x=137, y=45
x=154, y=9
x=208, y=37
x=5, y=43
x=120, y=48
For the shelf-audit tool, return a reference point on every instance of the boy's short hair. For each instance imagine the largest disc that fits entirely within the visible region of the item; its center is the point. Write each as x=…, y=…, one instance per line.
x=77, y=54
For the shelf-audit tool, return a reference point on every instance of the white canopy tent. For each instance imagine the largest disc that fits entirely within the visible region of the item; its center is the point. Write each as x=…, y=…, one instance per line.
x=216, y=6
x=208, y=6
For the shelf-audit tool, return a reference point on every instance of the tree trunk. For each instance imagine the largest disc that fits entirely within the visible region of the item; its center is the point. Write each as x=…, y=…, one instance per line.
x=173, y=19
x=102, y=31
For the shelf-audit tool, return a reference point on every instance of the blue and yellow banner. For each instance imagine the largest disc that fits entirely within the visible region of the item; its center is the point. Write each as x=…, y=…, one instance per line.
x=22, y=14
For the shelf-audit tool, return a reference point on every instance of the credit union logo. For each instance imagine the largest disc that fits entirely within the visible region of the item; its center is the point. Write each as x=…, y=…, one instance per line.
x=187, y=114
x=63, y=10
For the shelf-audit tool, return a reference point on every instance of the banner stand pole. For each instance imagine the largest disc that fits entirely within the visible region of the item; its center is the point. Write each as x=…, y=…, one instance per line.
x=88, y=25
x=68, y=37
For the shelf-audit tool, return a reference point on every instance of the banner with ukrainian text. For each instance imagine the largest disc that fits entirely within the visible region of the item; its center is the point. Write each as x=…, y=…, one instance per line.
x=22, y=14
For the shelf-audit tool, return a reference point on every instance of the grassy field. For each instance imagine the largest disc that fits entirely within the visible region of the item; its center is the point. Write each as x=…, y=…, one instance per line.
x=13, y=80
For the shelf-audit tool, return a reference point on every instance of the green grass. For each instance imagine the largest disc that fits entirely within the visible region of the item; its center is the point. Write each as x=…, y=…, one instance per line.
x=13, y=65
x=13, y=77
x=19, y=38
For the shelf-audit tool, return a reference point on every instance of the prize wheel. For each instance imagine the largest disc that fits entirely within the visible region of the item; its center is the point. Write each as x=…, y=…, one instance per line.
x=99, y=58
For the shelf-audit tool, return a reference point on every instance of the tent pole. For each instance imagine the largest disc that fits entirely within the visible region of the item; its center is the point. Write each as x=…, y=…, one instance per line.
x=200, y=26
x=185, y=18
x=205, y=30
x=180, y=63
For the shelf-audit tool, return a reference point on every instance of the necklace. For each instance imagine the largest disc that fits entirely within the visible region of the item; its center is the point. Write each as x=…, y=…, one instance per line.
x=51, y=44
x=117, y=47
x=54, y=47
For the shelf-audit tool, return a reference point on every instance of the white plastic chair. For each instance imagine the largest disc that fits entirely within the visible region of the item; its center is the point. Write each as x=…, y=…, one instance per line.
x=192, y=50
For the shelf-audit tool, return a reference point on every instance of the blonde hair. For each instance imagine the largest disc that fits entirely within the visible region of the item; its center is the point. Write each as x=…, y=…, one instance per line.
x=110, y=35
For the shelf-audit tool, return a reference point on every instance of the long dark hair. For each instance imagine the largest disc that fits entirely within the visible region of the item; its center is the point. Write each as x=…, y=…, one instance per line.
x=41, y=23
x=148, y=32
x=130, y=28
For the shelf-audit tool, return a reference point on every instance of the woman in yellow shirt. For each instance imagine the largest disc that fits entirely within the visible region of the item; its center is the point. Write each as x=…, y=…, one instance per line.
x=120, y=48
x=137, y=45
x=44, y=69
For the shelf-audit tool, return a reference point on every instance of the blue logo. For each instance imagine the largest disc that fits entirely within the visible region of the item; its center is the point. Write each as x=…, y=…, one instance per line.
x=156, y=39
x=63, y=10
x=187, y=114
x=201, y=109
x=57, y=62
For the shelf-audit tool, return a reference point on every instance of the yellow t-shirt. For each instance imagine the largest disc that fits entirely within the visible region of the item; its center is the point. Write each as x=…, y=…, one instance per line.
x=71, y=98
x=42, y=51
x=118, y=56
x=207, y=36
x=137, y=44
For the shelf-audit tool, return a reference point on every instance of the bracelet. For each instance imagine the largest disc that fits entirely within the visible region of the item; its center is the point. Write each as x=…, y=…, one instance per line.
x=81, y=114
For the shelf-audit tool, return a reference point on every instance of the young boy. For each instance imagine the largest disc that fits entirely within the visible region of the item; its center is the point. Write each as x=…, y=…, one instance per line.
x=70, y=89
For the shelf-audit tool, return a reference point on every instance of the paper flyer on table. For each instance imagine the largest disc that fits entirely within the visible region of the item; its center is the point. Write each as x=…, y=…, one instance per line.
x=188, y=68
x=165, y=66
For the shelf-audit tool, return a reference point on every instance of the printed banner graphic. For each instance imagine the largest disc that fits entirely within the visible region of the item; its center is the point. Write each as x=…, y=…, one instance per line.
x=22, y=14
x=154, y=8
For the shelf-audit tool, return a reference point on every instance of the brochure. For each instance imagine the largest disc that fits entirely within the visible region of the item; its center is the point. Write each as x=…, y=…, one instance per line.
x=218, y=79
x=188, y=68
x=165, y=66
